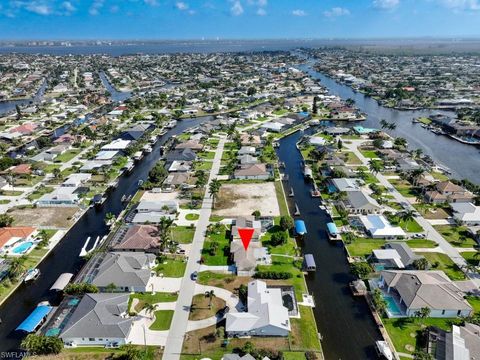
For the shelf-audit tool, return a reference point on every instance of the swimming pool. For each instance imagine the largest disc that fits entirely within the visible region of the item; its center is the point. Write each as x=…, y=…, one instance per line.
x=22, y=248
x=392, y=308
x=331, y=188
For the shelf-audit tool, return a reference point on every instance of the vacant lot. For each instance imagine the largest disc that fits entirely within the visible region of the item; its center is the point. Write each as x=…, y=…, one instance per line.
x=243, y=199
x=60, y=217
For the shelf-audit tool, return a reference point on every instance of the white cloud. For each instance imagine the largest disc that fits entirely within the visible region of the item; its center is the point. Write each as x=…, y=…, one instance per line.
x=95, y=8
x=237, y=8
x=299, y=12
x=261, y=12
x=336, y=11
x=386, y=4
x=462, y=4
x=68, y=7
x=180, y=5
x=38, y=7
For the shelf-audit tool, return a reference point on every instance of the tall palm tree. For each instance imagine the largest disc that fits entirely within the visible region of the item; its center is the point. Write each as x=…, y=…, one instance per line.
x=383, y=123
x=16, y=267
x=214, y=189
x=210, y=295
x=407, y=215
x=375, y=166
x=163, y=231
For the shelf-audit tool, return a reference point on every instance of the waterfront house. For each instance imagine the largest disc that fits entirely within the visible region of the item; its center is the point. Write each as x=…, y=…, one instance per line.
x=99, y=320
x=180, y=155
x=116, y=145
x=462, y=343
x=190, y=144
x=247, y=260
x=347, y=184
x=417, y=289
x=153, y=211
x=252, y=172
x=247, y=150
x=250, y=140
x=466, y=213
x=136, y=238
x=378, y=227
x=247, y=160
x=136, y=131
x=12, y=235
x=446, y=191
x=395, y=255
x=246, y=222
x=63, y=196
x=359, y=202
x=127, y=271
x=266, y=314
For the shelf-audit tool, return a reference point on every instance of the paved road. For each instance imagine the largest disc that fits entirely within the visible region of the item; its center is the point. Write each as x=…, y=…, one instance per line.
x=179, y=325
x=430, y=231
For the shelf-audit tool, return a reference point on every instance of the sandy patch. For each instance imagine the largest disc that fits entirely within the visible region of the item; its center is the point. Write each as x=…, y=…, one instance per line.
x=243, y=199
x=151, y=196
x=54, y=217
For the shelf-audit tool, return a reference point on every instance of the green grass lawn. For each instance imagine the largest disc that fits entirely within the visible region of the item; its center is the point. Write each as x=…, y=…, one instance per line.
x=472, y=257
x=144, y=298
x=290, y=355
x=403, y=331
x=441, y=261
x=280, y=112
x=421, y=243
x=304, y=332
x=286, y=249
x=220, y=255
x=67, y=155
x=403, y=187
x=282, y=203
x=369, y=154
x=171, y=268
x=363, y=247
x=203, y=165
x=214, y=279
x=163, y=319
x=192, y=217
x=409, y=225
x=183, y=234
x=39, y=192
x=208, y=155
x=456, y=235
x=351, y=158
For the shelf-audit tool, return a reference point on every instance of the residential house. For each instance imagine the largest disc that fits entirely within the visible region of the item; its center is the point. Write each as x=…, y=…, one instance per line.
x=446, y=191
x=250, y=140
x=247, y=150
x=378, y=227
x=395, y=255
x=462, y=343
x=466, y=213
x=417, y=289
x=136, y=238
x=190, y=144
x=153, y=211
x=63, y=196
x=252, y=172
x=266, y=315
x=347, y=184
x=359, y=202
x=11, y=235
x=99, y=320
x=247, y=160
x=127, y=271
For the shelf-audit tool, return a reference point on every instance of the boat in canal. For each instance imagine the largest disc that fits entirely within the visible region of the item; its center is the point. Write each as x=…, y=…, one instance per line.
x=31, y=274
x=383, y=350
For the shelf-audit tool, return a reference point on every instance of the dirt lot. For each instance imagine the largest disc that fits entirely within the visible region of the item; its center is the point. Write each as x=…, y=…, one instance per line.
x=243, y=199
x=54, y=217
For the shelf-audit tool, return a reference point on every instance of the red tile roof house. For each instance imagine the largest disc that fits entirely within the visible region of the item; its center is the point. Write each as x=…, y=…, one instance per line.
x=446, y=191
x=22, y=169
x=8, y=234
x=137, y=238
x=25, y=129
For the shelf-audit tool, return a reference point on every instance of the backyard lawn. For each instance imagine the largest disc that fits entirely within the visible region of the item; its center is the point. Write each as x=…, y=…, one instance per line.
x=39, y=192
x=441, y=261
x=421, y=243
x=216, y=248
x=171, y=268
x=472, y=257
x=369, y=154
x=67, y=155
x=403, y=331
x=456, y=235
x=409, y=226
x=163, y=319
x=363, y=247
x=183, y=234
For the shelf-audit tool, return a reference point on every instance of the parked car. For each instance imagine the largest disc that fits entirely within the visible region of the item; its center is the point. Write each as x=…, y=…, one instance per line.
x=418, y=236
x=112, y=345
x=194, y=276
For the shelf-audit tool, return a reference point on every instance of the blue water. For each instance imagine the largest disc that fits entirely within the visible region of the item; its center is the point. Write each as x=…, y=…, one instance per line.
x=392, y=306
x=20, y=249
x=331, y=188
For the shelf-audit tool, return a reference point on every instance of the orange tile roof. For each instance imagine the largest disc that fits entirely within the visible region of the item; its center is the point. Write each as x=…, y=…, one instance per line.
x=7, y=233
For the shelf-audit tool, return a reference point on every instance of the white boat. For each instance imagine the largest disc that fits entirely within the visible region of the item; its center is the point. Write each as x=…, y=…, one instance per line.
x=138, y=156
x=147, y=149
x=32, y=274
x=383, y=350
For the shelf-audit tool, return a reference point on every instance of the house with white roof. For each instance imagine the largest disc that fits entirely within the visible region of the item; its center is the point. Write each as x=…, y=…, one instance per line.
x=378, y=227
x=466, y=213
x=266, y=315
x=116, y=145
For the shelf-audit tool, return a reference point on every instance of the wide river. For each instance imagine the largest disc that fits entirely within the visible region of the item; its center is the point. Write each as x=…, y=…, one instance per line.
x=463, y=160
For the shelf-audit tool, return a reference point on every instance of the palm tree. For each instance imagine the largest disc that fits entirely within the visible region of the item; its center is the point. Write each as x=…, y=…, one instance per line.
x=210, y=295
x=201, y=178
x=214, y=189
x=383, y=123
x=375, y=166
x=16, y=267
x=163, y=231
x=392, y=126
x=149, y=309
x=407, y=215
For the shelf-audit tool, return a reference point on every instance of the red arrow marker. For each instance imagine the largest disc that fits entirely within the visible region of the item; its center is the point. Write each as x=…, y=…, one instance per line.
x=246, y=235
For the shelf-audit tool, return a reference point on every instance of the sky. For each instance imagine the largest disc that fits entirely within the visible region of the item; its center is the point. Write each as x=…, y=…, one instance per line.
x=237, y=19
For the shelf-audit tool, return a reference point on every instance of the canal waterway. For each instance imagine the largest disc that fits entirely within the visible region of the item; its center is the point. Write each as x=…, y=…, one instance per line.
x=345, y=323
x=115, y=95
x=10, y=105
x=65, y=256
x=462, y=159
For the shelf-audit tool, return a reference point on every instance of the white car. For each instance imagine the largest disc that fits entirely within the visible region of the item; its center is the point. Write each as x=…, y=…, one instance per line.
x=418, y=236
